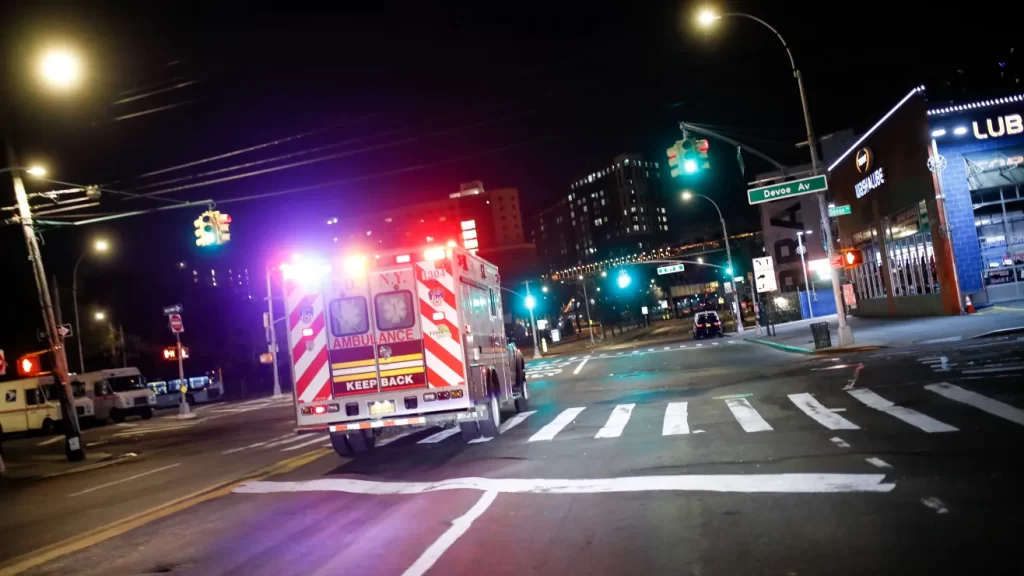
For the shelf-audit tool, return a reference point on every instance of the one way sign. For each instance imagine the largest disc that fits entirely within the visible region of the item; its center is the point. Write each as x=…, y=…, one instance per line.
x=63, y=329
x=764, y=274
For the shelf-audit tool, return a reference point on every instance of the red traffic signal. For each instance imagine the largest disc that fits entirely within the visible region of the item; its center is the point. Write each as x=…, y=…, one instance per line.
x=852, y=258
x=702, y=146
x=29, y=365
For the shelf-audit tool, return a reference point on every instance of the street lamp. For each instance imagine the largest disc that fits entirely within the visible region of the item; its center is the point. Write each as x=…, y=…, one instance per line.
x=99, y=316
x=687, y=195
x=100, y=246
x=707, y=18
x=60, y=68
x=803, y=264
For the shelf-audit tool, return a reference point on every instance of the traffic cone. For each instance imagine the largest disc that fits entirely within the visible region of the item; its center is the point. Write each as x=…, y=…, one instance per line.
x=970, y=306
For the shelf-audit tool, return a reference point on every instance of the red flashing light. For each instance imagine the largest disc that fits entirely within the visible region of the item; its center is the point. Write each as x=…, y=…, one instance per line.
x=29, y=366
x=320, y=409
x=702, y=145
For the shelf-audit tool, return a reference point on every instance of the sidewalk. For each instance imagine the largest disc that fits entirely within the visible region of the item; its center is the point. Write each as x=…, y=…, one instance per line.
x=883, y=332
x=658, y=329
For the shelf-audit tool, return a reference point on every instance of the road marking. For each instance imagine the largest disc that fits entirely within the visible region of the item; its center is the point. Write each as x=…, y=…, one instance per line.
x=394, y=438
x=157, y=429
x=439, y=436
x=668, y=347
x=912, y=417
x=294, y=438
x=304, y=444
x=459, y=527
x=745, y=414
x=49, y=441
x=618, y=353
x=728, y=396
x=1008, y=368
x=681, y=346
x=827, y=418
x=650, y=349
x=555, y=426
x=935, y=504
x=580, y=367
x=616, y=422
x=744, y=483
x=675, y=420
x=122, y=480
x=731, y=342
x=700, y=345
x=571, y=359
x=714, y=343
x=993, y=407
x=258, y=444
x=878, y=462
x=507, y=425
x=839, y=442
x=947, y=339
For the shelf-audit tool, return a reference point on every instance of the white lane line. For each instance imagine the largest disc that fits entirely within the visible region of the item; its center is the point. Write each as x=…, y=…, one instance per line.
x=935, y=504
x=108, y=484
x=731, y=342
x=396, y=437
x=571, y=359
x=258, y=444
x=714, y=343
x=668, y=347
x=743, y=483
x=681, y=346
x=318, y=438
x=507, y=425
x=459, y=527
x=650, y=349
x=294, y=438
x=878, y=462
x=700, y=345
x=555, y=426
x=912, y=417
x=616, y=422
x=618, y=353
x=827, y=418
x=1008, y=368
x=993, y=407
x=580, y=367
x=49, y=441
x=745, y=414
x=839, y=442
x=151, y=430
x=442, y=435
x=675, y=420
x=939, y=340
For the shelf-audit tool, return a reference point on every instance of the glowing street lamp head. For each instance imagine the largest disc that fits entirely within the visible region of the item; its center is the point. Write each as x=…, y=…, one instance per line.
x=36, y=171
x=60, y=68
x=707, y=17
x=100, y=316
x=101, y=245
x=700, y=260
x=530, y=302
x=687, y=195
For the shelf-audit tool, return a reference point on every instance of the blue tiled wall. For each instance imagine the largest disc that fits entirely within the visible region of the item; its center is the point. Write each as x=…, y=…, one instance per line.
x=958, y=207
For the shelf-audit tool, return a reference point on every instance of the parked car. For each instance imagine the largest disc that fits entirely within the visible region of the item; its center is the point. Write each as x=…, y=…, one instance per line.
x=707, y=324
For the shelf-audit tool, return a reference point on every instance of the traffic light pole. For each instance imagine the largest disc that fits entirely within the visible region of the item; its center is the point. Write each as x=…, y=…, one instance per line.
x=273, y=334
x=72, y=433
x=533, y=325
x=183, y=411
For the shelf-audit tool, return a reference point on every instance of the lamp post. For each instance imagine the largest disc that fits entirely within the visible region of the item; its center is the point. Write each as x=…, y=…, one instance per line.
x=100, y=246
x=707, y=18
x=530, y=304
x=803, y=264
x=586, y=302
x=728, y=255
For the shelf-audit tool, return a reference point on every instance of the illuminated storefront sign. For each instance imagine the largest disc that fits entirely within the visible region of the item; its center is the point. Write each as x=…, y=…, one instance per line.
x=1007, y=125
x=874, y=180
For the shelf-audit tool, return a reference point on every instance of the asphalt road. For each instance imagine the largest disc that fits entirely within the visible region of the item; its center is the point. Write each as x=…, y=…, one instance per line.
x=714, y=457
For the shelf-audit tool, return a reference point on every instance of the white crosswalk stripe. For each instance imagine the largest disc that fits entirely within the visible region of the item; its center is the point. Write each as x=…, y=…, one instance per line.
x=993, y=407
x=549, y=431
x=294, y=438
x=827, y=418
x=675, y=420
x=258, y=444
x=442, y=435
x=749, y=419
x=506, y=426
x=616, y=422
x=912, y=417
x=316, y=440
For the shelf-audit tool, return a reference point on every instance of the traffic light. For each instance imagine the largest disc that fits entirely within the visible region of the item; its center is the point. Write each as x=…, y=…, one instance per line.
x=223, y=222
x=689, y=156
x=673, y=157
x=852, y=258
x=702, y=154
x=206, y=231
x=530, y=302
x=623, y=280
x=29, y=365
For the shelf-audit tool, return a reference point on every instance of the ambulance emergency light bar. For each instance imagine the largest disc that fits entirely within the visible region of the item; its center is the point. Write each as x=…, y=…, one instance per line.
x=305, y=271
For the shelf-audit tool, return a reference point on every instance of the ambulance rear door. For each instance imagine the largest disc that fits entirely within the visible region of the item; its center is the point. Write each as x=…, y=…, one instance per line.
x=396, y=330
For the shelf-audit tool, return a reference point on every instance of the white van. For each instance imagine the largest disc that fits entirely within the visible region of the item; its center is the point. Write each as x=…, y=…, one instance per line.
x=83, y=404
x=118, y=392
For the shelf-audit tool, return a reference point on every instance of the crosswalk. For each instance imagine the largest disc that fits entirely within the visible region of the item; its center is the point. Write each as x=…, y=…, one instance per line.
x=285, y=443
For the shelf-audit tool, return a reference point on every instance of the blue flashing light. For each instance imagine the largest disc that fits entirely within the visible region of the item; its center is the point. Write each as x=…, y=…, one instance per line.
x=530, y=302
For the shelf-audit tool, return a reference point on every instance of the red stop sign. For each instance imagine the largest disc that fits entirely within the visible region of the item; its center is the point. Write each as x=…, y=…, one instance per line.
x=176, y=325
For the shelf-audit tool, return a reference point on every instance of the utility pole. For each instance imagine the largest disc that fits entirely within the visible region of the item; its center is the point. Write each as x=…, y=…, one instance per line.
x=183, y=410
x=273, y=334
x=72, y=434
x=586, y=302
x=533, y=324
x=803, y=264
x=78, y=328
x=124, y=353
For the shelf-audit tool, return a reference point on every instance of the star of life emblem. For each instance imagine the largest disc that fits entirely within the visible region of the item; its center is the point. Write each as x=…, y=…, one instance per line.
x=437, y=297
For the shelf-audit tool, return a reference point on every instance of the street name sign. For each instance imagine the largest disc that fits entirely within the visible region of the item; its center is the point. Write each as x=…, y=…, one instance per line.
x=787, y=189
x=176, y=309
x=670, y=269
x=839, y=211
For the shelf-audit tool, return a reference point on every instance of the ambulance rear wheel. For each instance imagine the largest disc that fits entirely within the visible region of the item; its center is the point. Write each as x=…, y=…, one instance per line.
x=523, y=402
x=470, y=431
x=491, y=426
x=353, y=444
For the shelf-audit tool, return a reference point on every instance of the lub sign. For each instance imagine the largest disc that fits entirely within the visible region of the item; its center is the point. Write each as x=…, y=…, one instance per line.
x=787, y=189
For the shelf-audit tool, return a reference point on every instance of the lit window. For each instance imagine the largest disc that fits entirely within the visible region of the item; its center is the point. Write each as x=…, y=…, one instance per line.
x=469, y=224
x=471, y=234
x=471, y=244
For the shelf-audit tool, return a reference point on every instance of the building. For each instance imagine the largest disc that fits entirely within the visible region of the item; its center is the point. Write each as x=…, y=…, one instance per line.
x=980, y=147
x=473, y=217
x=617, y=210
x=897, y=218
x=781, y=220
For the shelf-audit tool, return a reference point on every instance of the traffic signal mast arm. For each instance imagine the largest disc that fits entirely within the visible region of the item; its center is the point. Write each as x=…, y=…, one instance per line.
x=697, y=129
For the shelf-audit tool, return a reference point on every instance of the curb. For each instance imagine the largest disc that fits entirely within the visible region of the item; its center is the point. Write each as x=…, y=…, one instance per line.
x=1000, y=332
x=783, y=347
x=825, y=352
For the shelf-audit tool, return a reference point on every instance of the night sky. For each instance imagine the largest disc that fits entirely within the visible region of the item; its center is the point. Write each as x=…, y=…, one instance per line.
x=412, y=101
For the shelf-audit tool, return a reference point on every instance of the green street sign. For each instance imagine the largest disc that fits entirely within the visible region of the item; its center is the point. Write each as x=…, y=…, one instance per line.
x=838, y=211
x=787, y=189
x=670, y=269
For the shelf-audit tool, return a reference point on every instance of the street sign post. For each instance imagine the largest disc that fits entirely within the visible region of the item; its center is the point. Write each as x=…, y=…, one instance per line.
x=839, y=211
x=64, y=330
x=787, y=189
x=670, y=269
x=175, y=309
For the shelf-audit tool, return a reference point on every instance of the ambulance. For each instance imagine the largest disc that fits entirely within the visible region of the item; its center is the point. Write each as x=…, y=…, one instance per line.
x=398, y=339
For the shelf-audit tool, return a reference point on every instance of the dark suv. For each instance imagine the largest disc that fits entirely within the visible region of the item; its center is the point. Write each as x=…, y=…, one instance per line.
x=706, y=324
